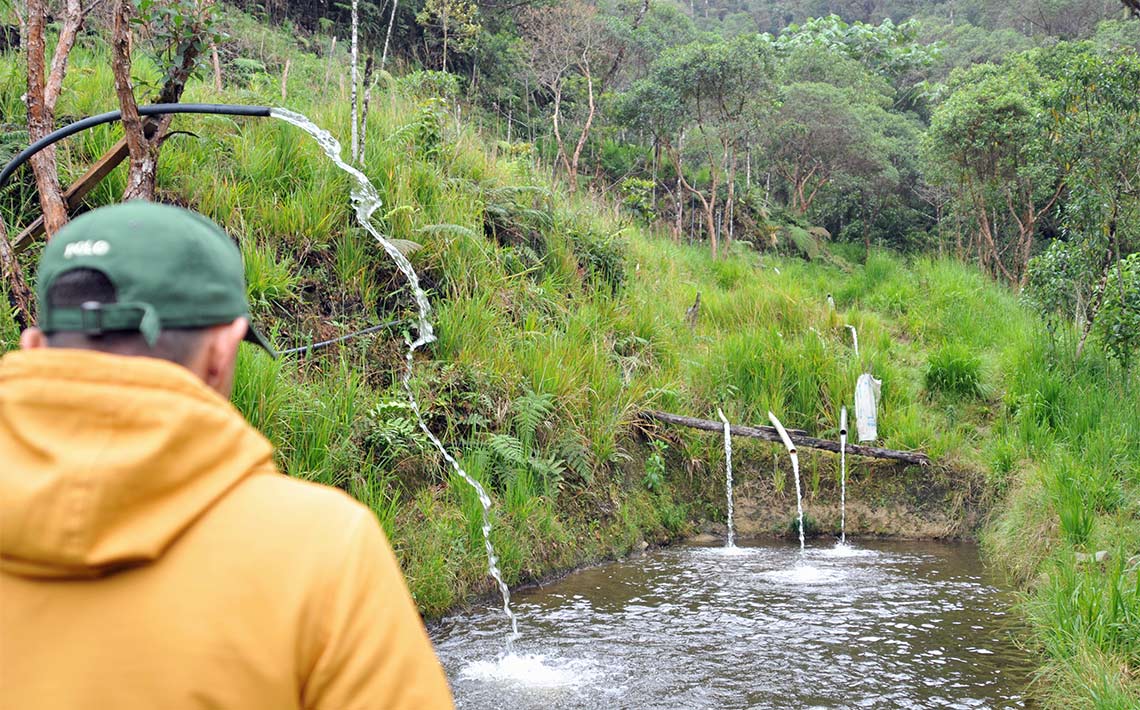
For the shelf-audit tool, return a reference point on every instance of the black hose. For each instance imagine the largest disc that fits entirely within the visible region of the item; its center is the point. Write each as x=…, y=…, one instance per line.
x=160, y=110
x=111, y=116
x=325, y=343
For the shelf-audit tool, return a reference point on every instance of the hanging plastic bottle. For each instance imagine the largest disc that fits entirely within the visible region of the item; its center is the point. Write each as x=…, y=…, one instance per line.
x=867, y=390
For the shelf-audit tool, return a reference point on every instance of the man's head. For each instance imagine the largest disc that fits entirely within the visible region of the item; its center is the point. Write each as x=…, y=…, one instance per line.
x=141, y=279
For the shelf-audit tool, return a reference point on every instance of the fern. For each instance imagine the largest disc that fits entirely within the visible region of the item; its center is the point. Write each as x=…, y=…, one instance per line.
x=577, y=457
x=549, y=470
x=452, y=229
x=509, y=450
x=531, y=410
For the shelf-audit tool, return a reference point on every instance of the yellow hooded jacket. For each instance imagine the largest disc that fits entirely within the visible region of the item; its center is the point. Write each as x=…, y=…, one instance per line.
x=151, y=556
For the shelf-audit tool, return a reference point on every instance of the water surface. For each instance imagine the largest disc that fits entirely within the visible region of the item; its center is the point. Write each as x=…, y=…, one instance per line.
x=900, y=625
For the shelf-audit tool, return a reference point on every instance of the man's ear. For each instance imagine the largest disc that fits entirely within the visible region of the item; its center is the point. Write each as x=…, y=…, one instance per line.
x=33, y=339
x=220, y=356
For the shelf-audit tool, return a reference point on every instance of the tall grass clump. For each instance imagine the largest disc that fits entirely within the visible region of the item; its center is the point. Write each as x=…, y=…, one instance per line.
x=953, y=370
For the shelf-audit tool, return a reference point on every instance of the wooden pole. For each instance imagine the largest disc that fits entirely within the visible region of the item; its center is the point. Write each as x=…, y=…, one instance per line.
x=78, y=190
x=768, y=433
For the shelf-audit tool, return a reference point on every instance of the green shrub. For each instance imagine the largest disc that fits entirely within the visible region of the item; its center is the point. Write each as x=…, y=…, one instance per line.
x=1118, y=322
x=601, y=256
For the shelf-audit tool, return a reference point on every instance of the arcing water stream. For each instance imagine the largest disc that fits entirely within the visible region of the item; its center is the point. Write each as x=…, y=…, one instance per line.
x=365, y=201
x=731, y=542
x=795, y=469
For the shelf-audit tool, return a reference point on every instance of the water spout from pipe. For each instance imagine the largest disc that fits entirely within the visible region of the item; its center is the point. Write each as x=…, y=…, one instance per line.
x=795, y=469
x=728, y=475
x=843, y=475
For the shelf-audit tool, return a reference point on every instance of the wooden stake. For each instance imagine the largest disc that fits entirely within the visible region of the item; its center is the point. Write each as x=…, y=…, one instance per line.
x=285, y=81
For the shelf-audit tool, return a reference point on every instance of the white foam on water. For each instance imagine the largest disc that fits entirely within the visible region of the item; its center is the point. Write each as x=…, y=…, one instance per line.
x=843, y=549
x=531, y=670
x=801, y=574
x=726, y=551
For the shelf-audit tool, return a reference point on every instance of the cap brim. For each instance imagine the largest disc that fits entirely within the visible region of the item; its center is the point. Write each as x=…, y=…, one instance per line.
x=252, y=335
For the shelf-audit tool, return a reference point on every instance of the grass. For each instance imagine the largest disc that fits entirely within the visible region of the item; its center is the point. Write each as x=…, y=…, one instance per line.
x=552, y=305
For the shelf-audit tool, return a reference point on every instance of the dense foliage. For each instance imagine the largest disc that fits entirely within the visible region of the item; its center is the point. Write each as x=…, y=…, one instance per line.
x=961, y=131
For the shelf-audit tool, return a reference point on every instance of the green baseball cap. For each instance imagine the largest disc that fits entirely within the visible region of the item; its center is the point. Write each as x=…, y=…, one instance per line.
x=171, y=268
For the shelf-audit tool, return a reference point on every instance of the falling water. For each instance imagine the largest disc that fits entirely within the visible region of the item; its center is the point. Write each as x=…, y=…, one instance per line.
x=854, y=339
x=795, y=469
x=365, y=201
x=843, y=476
x=728, y=475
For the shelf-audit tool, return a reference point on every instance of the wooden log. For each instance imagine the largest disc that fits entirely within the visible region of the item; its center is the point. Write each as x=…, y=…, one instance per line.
x=78, y=190
x=798, y=438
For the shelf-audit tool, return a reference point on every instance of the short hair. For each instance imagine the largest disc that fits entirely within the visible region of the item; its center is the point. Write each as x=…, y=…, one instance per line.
x=76, y=287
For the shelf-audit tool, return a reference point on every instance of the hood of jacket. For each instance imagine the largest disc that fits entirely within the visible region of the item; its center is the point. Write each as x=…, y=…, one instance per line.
x=105, y=460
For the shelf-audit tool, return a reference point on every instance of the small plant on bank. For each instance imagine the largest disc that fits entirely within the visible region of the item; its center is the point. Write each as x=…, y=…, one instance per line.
x=654, y=478
x=811, y=527
x=392, y=431
x=1073, y=509
x=954, y=370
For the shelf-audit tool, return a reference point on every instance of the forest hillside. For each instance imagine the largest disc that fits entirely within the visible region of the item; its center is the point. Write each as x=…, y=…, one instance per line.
x=687, y=217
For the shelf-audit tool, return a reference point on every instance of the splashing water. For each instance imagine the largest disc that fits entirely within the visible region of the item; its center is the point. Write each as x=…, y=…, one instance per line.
x=531, y=671
x=795, y=469
x=728, y=475
x=365, y=201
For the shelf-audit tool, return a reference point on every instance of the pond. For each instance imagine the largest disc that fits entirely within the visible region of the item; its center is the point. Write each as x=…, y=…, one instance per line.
x=880, y=624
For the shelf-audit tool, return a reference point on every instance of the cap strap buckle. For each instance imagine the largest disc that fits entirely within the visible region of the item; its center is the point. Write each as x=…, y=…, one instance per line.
x=91, y=317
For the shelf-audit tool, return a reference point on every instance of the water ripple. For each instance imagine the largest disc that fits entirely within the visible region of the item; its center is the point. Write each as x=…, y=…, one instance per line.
x=914, y=625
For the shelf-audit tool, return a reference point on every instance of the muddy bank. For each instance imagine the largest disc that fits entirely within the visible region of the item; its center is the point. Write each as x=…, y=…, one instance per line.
x=883, y=499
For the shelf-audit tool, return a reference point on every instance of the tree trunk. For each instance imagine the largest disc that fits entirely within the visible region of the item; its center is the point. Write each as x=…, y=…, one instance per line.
x=388, y=35
x=620, y=55
x=144, y=139
x=19, y=295
x=369, y=65
x=43, y=93
x=285, y=81
x=556, y=121
x=680, y=191
x=1094, y=306
x=329, y=63
x=707, y=208
x=586, y=128
x=730, y=206
x=143, y=169
x=355, y=151
x=445, y=44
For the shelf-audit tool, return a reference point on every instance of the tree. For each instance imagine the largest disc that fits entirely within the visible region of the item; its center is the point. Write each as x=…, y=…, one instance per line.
x=19, y=295
x=181, y=30
x=564, y=42
x=44, y=89
x=1094, y=127
x=891, y=51
x=986, y=142
x=456, y=22
x=715, y=92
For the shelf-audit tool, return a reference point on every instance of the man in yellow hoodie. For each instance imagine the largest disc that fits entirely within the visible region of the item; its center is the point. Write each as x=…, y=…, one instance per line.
x=151, y=556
